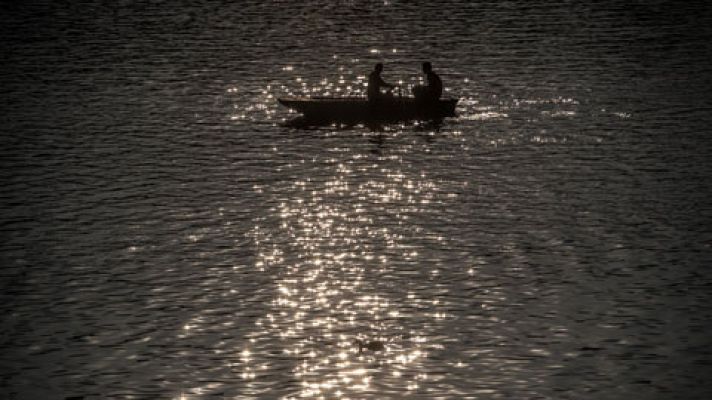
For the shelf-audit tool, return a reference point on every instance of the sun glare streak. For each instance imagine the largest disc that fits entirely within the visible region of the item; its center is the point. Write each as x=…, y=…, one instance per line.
x=329, y=317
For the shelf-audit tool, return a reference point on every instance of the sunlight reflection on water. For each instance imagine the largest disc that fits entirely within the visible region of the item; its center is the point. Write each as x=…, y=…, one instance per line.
x=328, y=240
x=166, y=234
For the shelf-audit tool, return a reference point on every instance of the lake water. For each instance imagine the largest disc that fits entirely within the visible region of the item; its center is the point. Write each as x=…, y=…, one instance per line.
x=166, y=235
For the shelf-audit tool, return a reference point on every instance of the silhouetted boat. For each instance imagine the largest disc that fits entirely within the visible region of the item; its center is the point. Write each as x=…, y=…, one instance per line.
x=359, y=109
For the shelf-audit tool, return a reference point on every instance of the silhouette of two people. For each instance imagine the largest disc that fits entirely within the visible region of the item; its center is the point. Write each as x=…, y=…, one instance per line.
x=431, y=92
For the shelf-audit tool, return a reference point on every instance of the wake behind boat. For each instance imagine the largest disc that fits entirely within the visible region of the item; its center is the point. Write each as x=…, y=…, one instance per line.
x=359, y=109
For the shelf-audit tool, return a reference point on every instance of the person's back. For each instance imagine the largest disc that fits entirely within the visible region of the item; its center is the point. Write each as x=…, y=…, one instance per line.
x=373, y=90
x=433, y=90
x=435, y=85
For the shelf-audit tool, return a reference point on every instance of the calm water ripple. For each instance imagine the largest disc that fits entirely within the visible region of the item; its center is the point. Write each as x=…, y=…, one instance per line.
x=167, y=235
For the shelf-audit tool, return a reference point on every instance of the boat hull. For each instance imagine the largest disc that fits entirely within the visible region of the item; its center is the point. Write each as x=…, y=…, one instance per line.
x=361, y=110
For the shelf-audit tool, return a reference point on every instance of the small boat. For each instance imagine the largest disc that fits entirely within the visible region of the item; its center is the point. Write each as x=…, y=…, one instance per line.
x=359, y=109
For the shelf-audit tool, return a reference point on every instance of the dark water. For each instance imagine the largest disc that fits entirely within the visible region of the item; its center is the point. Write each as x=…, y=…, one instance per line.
x=165, y=236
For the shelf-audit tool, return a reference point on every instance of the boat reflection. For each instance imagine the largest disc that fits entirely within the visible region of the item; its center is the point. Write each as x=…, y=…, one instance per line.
x=306, y=123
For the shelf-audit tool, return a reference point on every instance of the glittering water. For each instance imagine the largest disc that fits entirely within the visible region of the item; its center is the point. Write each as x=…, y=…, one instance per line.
x=165, y=235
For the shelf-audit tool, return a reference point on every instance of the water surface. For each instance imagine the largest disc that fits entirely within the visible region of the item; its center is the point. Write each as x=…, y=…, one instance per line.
x=166, y=236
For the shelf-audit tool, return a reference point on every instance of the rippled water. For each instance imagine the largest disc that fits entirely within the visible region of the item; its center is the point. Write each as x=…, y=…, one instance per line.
x=165, y=235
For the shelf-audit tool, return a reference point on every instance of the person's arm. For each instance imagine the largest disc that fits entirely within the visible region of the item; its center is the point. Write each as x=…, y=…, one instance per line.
x=384, y=83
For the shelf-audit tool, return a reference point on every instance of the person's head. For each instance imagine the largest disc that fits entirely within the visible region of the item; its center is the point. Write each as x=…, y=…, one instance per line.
x=379, y=67
x=427, y=67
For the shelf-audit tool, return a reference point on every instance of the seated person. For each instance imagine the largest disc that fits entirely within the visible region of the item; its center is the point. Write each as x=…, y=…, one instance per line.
x=375, y=83
x=433, y=90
